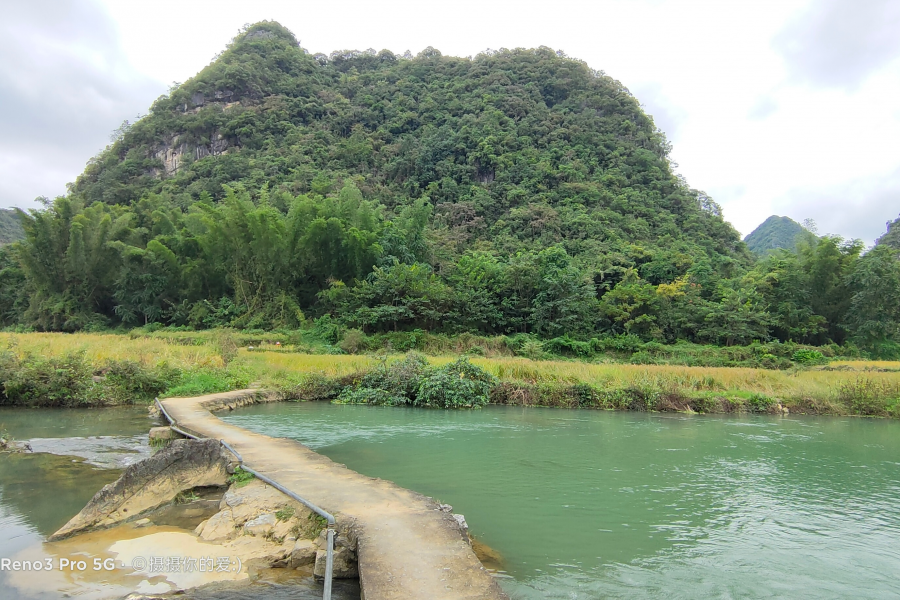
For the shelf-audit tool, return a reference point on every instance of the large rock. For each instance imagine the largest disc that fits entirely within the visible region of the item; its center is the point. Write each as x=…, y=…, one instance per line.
x=183, y=465
x=346, y=562
x=257, y=498
x=260, y=526
x=303, y=553
x=219, y=527
x=160, y=436
x=259, y=553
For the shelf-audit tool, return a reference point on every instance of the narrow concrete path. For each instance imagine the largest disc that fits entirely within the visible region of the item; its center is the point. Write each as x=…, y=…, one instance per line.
x=408, y=548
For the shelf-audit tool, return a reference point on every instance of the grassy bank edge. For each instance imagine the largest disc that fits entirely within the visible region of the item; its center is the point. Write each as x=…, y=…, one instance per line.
x=103, y=370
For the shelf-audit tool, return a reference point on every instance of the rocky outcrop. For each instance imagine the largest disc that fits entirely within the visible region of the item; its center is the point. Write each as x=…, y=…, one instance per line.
x=7, y=445
x=175, y=151
x=150, y=483
x=160, y=436
x=259, y=510
x=257, y=521
x=346, y=561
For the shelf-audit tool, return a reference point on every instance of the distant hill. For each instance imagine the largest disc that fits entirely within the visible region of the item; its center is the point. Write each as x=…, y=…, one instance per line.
x=892, y=237
x=10, y=226
x=775, y=232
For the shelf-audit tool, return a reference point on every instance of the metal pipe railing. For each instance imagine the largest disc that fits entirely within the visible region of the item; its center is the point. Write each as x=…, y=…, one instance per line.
x=329, y=556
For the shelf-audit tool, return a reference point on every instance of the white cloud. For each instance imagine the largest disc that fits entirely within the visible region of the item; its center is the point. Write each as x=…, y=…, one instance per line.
x=763, y=112
x=63, y=87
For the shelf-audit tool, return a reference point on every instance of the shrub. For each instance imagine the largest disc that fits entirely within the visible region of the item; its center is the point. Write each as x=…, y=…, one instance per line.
x=226, y=346
x=585, y=395
x=208, y=381
x=809, y=357
x=532, y=349
x=707, y=404
x=327, y=329
x=869, y=397
x=55, y=381
x=760, y=403
x=627, y=343
x=567, y=346
x=368, y=395
x=390, y=384
x=128, y=380
x=316, y=387
x=642, y=358
x=354, y=341
x=459, y=384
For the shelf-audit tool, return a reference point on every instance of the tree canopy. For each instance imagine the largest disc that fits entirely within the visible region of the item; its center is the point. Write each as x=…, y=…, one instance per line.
x=774, y=233
x=518, y=191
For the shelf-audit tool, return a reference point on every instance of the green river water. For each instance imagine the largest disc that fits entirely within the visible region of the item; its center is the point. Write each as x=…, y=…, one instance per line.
x=580, y=504
x=589, y=504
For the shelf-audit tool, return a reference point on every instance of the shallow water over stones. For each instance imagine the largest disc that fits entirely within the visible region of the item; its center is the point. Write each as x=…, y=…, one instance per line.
x=76, y=452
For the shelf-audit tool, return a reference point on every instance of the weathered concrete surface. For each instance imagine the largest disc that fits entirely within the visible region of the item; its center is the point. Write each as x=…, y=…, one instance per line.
x=408, y=548
x=183, y=465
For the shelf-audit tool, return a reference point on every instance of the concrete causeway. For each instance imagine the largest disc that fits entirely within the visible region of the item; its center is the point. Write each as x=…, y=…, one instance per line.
x=408, y=547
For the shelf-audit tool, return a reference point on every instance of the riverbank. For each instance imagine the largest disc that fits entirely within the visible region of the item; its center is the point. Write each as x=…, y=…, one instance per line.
x=45, y=369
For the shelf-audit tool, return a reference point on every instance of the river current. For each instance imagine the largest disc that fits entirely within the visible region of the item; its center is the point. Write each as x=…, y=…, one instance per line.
x=590, y=504
x=573, y=504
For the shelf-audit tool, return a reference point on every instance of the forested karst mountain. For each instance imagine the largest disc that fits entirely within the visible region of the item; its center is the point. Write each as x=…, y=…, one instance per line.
x=774, y=233
x=10, y=226
x=537, y=141
x=517, y=192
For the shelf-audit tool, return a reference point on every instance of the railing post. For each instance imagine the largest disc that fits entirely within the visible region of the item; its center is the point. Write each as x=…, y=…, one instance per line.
x=329, y=564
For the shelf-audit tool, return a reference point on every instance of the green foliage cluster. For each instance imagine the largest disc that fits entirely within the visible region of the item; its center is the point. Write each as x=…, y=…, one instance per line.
x=868, y=397
x=410, y=381
x=892, y=236
x=620, y=348
x=863, y=397
x=362, y=194
x=240, y=477
x=391, y=384
x=285, y=514
x=775, y=233
x=459, y=384
x=71, y=380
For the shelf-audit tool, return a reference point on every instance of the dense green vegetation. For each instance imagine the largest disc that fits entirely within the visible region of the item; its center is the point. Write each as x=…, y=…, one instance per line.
x=410, y=381
x=363, y=195
x=774, y=233
x=10, y=226
x=84, y=369
x=892, y=236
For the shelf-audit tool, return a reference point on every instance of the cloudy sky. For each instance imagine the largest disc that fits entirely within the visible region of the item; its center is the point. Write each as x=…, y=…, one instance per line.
x=786, y=107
